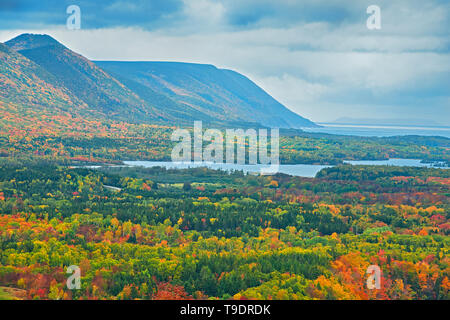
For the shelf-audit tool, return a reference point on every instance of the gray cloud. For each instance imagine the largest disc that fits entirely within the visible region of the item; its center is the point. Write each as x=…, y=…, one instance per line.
x=317, y=57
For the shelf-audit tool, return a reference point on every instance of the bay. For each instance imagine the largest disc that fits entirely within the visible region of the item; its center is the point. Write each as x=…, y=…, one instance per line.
x=379, y=131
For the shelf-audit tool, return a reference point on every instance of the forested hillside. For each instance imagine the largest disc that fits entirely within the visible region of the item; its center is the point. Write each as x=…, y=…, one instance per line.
x=221, y=236
x=145, y=92
x=220, y=94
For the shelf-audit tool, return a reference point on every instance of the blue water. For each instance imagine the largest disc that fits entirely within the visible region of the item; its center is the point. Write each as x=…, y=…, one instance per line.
x=380, y=131
x=299, y=170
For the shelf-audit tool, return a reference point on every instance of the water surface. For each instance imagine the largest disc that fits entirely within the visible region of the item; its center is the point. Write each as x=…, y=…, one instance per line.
x=300, y=170
x=380, y=131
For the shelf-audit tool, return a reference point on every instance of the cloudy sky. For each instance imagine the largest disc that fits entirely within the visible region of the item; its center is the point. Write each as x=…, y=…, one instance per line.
x=315, y=56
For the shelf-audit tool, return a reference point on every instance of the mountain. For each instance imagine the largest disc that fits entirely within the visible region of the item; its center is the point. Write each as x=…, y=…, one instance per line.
x=149, y=92
x=83, y=78
x=204, y=89
x=23, y=82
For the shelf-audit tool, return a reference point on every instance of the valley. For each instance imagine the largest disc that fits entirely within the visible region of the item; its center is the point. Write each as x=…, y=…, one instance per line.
x=69, y=127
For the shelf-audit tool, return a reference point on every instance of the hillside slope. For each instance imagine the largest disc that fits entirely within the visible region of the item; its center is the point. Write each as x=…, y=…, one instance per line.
x=139, y=92
x=23, y=82
x=83, y=78
x=218, y=93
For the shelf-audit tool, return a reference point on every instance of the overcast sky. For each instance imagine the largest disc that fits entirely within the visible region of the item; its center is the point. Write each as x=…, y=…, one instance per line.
x=315, y=56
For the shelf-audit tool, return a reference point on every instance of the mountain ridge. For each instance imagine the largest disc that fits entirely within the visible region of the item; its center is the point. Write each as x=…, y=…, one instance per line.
x=149, y=92
x=82, y=77
x=24, y=82
x=220, y=92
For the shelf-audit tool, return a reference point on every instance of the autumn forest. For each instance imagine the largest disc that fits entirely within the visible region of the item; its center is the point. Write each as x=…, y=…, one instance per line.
x=67, y=199
x=199, y=233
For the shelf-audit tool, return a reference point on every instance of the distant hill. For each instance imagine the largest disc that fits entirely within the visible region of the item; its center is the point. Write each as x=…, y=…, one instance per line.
x=83, y=78
x=149, y=92
x=23, y=82
x=200, y=89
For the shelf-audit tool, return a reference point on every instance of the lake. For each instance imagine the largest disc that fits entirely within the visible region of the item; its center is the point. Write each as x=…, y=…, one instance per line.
x=299, y=170
x=379, y=131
